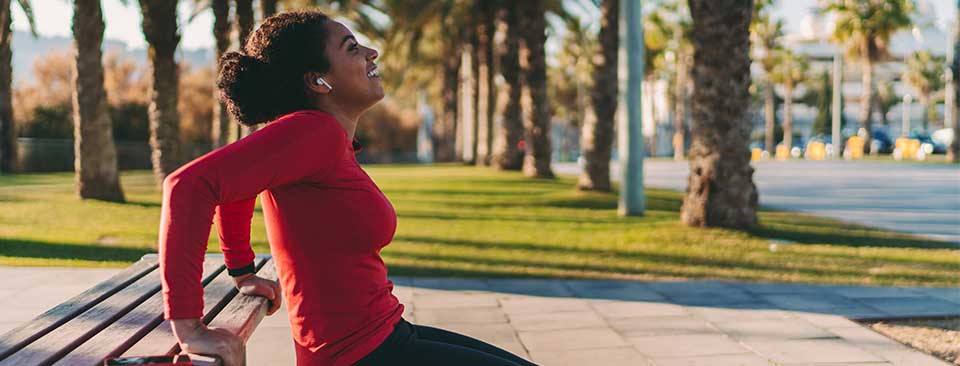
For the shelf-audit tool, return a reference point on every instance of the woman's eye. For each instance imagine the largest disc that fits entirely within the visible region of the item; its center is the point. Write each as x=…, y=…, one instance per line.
x=353, y=47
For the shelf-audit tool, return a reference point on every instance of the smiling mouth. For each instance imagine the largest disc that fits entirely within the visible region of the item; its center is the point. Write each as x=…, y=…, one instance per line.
x=374, y=73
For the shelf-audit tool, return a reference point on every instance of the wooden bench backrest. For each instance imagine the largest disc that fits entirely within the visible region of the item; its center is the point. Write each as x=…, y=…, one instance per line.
x=124, y=316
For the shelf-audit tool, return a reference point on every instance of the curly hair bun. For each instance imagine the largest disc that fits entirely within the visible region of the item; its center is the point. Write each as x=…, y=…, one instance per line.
x=240, y=80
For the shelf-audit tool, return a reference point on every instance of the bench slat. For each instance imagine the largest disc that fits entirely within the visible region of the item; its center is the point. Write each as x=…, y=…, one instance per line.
x=76, y=331
x=244, y=313
x=216, y=295
x=131, y=327
x=40, y=326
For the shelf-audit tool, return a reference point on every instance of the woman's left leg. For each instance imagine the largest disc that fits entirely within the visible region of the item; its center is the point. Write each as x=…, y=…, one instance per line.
x=439, y=335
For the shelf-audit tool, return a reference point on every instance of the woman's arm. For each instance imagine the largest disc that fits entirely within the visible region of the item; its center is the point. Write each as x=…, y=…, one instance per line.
x=288, y=150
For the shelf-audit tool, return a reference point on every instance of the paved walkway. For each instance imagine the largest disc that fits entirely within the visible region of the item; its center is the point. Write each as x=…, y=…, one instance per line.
x=917, y=198
x=599, y=323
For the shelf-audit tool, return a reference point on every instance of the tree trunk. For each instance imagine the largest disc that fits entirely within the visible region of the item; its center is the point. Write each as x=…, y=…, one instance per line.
x=95, y=154
x=160, y=31
x=788, y=117
x=446, y=130
x=468, y=111
x=508, y=155
x=680, y=113
x=220, y=128
x=953, y=151
x=596, y=140
x=244, y=28
x=268, y=8
x=925, y=107
x=720, y=189
x=486, y=88
x=769, y=117
x=8, y=129
x=866, y=104
x=536, y=162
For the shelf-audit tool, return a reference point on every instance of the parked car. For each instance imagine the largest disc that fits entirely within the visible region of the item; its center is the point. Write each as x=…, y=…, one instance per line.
x=943, y=136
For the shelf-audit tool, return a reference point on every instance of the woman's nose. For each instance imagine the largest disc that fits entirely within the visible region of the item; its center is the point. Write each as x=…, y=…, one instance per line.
x=372, y=54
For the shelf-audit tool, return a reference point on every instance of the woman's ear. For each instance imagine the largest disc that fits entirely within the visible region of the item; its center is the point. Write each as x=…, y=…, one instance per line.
x=317, y=83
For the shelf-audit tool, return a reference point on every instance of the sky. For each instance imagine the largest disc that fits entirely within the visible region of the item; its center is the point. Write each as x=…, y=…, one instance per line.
x=53, y=17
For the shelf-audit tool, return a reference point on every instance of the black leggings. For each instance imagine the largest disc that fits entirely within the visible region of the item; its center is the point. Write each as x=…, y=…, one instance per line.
x=418, y=345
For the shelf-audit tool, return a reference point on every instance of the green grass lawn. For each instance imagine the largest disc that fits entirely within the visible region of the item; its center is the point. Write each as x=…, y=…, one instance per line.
x=465, y=221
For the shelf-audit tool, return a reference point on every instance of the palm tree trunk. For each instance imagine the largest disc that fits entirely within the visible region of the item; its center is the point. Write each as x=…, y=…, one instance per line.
x=160, y=31
x=446, y=130
x=596, y=140
x=486, y=91
x=680, y=113
x=268, y=8
x=508, y=155
x=95, y=154
x=536, y=162
x=244, y=28
x=866, y=104
x=788, y=117
x=8, y=131
x=925, y=106
x=720, y=189
x=479, y=94
x=769, y=118
x=220, y=128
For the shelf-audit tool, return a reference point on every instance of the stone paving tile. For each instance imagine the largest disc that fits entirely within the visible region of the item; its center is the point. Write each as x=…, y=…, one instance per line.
x=620, y=356
x=810, y=302
x=479, y=315
x=554, y=321
x=810, y=351
x=501, y=335
x=629, y=309
x=886, y=348
x=746, y=359
x=857, y=312
x=858, y=292
x=737, y=312
x=826, y=320
x=926, y=306
x=714, y=299
x=534, y=287
x=571, y=339
x=772, y=329
x=767, y=288
x=650, y=326
x=613, y=290
x=687, y=345
x=513, y=304
x=448, y=299
x=949, y=294
x=453, y=284
x=690, y=288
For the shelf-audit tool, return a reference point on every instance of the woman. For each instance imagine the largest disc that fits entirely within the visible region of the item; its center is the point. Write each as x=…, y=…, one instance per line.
x=326, y=219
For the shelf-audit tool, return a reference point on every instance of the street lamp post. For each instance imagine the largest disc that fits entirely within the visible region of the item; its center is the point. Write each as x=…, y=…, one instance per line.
x=836, y=108
x=631, y=126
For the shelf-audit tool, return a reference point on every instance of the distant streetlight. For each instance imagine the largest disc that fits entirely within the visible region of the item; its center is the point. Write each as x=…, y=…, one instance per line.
x=631, y=127
x=905, y=128
x=836, y=109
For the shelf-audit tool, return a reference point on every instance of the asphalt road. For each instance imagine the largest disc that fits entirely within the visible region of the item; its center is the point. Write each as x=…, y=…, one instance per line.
x=909, y=197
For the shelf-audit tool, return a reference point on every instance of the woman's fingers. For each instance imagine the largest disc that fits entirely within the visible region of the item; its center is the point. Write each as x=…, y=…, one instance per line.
x=259, y=286
x=277, y=298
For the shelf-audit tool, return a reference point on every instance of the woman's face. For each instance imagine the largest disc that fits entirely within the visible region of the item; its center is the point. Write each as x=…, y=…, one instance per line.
x=353, y=74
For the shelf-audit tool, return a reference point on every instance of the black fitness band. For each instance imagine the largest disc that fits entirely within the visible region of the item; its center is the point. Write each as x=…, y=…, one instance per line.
x=250, y=268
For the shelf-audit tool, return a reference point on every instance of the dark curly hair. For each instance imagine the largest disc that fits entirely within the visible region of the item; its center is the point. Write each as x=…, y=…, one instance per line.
x=265, y=79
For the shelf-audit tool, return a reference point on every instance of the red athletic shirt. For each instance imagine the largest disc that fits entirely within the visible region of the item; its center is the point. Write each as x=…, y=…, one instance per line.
x=326, y=221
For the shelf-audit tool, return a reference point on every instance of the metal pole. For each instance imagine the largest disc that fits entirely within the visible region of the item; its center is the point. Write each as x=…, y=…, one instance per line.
x=837, y=111
x=905, y=125
x=631, y=127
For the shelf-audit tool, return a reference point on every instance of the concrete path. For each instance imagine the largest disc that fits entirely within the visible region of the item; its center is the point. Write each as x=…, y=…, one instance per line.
x=599, y=323
x=909, y=197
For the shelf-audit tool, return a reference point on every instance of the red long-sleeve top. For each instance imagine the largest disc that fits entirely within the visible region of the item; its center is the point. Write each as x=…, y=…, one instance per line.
x=326, y=222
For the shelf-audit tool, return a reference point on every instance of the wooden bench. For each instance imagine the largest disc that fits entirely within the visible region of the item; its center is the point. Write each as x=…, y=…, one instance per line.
x=123, y=316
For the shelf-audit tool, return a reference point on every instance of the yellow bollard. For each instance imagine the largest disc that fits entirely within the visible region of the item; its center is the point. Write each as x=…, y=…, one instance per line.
x=783, y=153
x=756, y=154
x=854, y=148
x=816, y=151
x=906, y=148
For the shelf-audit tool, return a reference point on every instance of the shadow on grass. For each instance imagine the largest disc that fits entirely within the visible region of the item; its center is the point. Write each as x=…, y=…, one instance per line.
x=158, y=205
x=87, y=252
x=636, y=256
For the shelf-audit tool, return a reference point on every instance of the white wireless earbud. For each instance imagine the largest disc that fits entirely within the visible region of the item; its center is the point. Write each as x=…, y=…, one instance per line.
x=320, y=81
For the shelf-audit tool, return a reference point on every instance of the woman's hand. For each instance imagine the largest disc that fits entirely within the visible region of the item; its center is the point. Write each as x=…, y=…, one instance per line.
x=195, y=337
x=253, y=285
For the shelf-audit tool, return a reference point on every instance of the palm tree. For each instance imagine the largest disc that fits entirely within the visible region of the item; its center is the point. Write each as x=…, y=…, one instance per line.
x=96, y=156
x=597, y=137
x=486, y=87
x=507, y=152
x=8, y=133
x=789, y=69
x=885, y=100
x=536, y=162
x=865, y=27
x=244, y=10
x=720, y=189
x=766, y=35
x=924, y=74
x=220, y=128
x=160, y=31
